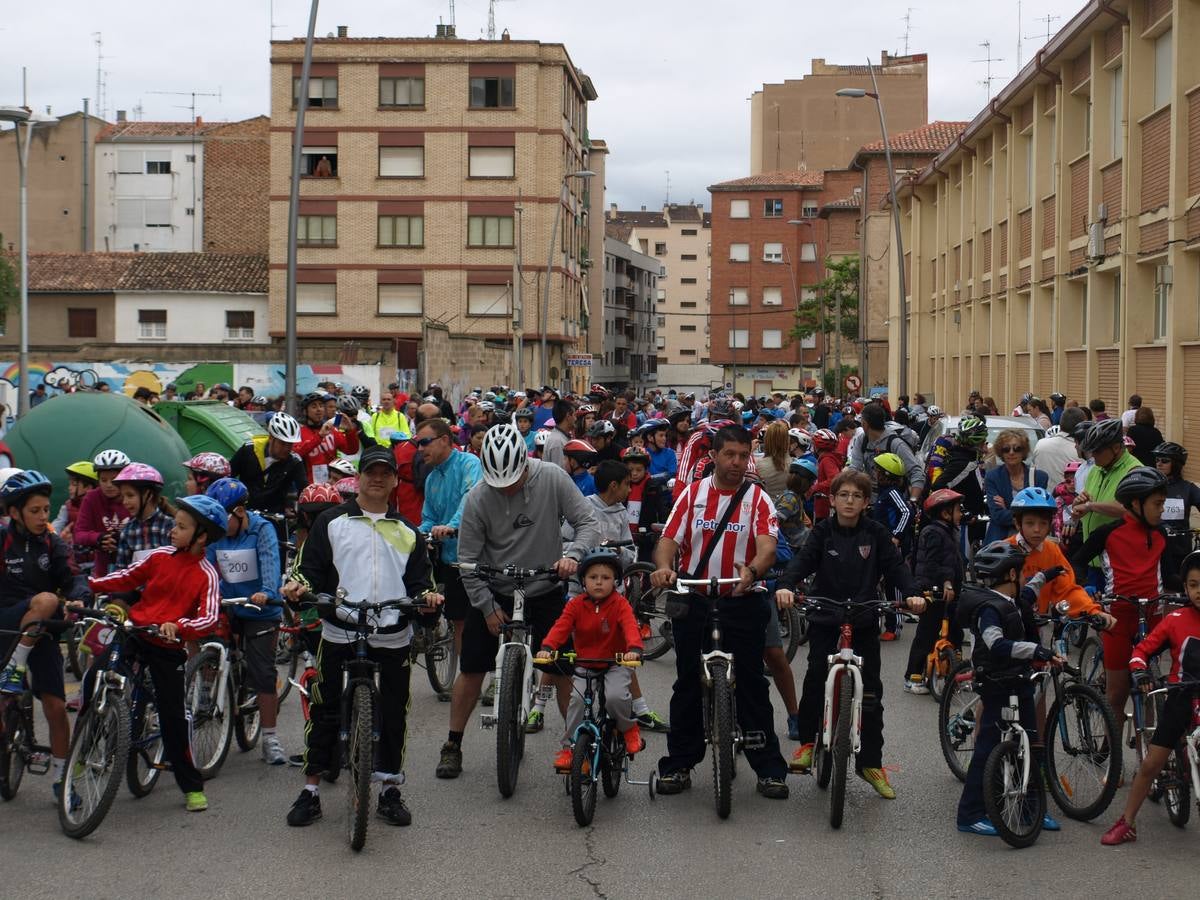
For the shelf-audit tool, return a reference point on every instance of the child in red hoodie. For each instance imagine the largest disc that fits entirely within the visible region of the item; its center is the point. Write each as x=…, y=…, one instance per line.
x=600, y=622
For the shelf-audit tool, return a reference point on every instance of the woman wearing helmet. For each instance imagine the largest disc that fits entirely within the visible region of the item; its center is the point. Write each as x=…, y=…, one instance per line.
x=937, y=566
x=325, y=433
x=274, y=472
x=203, y=469
x=1182, y=497
x=150, y=520
x=102, y=513
x=1003, y=482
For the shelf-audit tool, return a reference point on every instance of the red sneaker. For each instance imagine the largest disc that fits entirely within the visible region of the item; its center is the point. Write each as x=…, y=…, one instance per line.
x=562, y=762
x=888, y=636
x=1121, y=833
x=633, y=740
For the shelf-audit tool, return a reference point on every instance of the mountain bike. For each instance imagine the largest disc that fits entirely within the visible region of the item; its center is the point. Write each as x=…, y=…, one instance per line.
x=1012, y=783
x=432, y=646
x=514, y=673
x=959, y=712
x=1141, y=723
x=1180, y=777
x=19, y=750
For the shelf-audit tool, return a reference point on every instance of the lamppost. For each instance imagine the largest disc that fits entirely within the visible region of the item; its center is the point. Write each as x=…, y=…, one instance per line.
x=562, y=199
x=17, y=115
x=902, y=387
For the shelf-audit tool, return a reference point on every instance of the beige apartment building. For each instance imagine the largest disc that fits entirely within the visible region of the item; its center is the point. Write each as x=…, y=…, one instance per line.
x=428, y=162
x=1056, y=244
x=801, y=124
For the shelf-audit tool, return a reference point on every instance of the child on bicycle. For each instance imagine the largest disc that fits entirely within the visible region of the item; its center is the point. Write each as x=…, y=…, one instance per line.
x=1000, y=614
x=81, y=478
x=893, y=510
x=148, y=526
x=180, y=594
x=939, y=565
x=601, y=624
x=1181, y=632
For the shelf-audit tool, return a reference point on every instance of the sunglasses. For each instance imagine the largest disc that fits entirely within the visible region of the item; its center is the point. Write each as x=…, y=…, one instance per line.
x=425, y=442
x=1012, y=449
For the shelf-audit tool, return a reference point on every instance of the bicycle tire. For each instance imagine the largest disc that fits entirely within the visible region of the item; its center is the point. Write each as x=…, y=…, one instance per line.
x=12, y=759
x=939, y=672
x=958, y=712
x=74, y=659
x=1177, y=788
x=360, y=763
x=141, y=766
x=636, y=583
x=247, y=719
x=307, y=677
x=101, y=740
x=792, y=626
x=510, y=724
x=612, y=762
x=722, y=738
x=840, y=752
x=1016, y=814
x=1078, y=755
x=212, y=728
x=583, y=782
x=1091, y=663
x=288, y=648
x=441, y=659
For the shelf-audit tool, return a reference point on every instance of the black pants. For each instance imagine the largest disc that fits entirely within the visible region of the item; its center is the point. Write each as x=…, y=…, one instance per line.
x=743, y=629
x=987, y=735
x=823, y=641
x=325, y=713
x=929, y=627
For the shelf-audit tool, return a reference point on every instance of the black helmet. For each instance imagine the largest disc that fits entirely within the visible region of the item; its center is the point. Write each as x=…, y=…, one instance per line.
x=1172, y=451
x=1079, y=432
x=361, y=393
x=1102, y=434
x=1139, y=484
x=311, y=397
x=1056, y=397
x=1191, y=561
x=993, y=562
x=601, y=556
x=679, y=415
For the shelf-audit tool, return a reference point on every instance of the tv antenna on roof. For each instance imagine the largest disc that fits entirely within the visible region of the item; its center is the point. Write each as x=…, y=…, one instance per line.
x=987, y=82
x=1049, y=33
x=907, y=20
x=491, y=31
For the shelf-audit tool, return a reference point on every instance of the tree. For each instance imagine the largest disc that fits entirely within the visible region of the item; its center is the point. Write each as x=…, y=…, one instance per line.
x=9, y=287
x=819, y=315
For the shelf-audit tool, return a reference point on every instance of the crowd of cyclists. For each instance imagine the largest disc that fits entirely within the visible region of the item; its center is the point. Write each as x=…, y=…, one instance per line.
x=791, y=496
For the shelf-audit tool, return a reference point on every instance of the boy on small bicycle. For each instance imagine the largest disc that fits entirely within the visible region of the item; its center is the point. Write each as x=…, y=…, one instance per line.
x=1181, y=632
x=999, y=609
x=601, y=624
x=937, y=565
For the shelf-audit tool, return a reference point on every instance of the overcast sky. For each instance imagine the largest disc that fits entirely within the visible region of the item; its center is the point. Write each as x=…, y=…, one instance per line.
x=673, y=77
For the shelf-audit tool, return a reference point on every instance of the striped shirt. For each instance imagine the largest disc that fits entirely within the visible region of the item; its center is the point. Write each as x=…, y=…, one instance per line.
x=695, y=516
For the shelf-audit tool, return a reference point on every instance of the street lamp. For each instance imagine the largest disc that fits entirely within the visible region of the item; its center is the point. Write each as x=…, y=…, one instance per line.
x=562, y=199
x=17, y=115
x=902, y=387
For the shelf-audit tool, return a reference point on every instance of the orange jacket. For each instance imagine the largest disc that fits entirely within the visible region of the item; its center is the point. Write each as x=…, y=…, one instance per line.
x=1063, y=587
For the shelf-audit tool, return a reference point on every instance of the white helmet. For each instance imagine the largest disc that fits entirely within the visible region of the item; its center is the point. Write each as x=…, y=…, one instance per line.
x=539, y=439
x=1053, y=431
x=110, y=459
x=344, y=467
x=284, y=427
x=8, y=473
x=801, y=437
x=503, y=455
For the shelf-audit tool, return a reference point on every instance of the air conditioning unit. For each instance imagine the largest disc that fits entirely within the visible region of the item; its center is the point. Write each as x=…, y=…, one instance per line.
x=1095, y=245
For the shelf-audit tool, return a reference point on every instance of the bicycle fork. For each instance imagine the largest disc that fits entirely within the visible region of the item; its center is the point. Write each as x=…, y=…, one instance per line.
x=1011, y=715
x=845, y=661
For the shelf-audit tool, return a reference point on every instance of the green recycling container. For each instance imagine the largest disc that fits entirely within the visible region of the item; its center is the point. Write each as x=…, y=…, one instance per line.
x=210, y=426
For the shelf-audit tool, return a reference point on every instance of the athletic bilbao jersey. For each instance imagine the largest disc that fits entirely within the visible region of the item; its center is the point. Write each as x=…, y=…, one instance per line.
x=695, y=516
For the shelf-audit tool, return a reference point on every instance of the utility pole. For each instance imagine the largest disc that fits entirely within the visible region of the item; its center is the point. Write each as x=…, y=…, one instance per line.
x=518, y=310
x=84, y=234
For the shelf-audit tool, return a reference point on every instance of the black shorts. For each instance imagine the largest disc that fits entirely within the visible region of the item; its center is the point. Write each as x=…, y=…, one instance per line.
x=457, y=602
x=258, y=637
x=479, y=646
x=45, y=659
x=1174, y=720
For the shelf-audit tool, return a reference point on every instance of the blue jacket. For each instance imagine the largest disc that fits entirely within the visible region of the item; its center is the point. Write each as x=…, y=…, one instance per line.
x=248, y=563
x=446, y=489
x=585, y=482
x=664, y=462
x=997, y=483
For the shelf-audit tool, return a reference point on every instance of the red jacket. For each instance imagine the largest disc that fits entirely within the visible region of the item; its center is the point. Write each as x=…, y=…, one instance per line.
x=601, y=630
x=407, y=498
x=321, y=451
x=829, y=464
x=176, y=587
x=1178, y=630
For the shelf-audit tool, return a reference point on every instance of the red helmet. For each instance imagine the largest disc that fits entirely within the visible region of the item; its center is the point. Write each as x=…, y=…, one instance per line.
x=317, y=494
x=577, y=447
x=635, y=454
x=824, y=439
x=941, y=498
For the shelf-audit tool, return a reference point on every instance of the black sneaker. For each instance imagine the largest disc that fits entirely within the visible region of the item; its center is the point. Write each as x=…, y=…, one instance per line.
x=675, y=783
x=306, y=809
x=450, y=764
x=391, y=808
x=773, y=788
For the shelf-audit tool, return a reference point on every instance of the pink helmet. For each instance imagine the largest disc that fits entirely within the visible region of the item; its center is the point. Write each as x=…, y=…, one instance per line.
x=1071, y=468
x=210, y=464
x=347, y=486
x=139, y=473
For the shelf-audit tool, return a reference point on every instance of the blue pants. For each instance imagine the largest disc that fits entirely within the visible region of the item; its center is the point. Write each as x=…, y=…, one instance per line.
x=987, y=735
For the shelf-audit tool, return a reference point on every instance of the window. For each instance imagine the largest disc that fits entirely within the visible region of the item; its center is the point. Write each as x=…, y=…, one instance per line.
x=316, y=231
x=1161, y=301
x=1087, y=132
x=985, y=198
x=157, y=213
x=239, y=324
x=401, y=162
x=687, y=353
x=739, y=253
x=688, y=304
x=1027, y=187
x=401, y=299
x=81, y=323
x=660, y=343
x=662, y=295
x=492, y=93
x=491, y=162
x=662, y=321
x=739, y=338
x=772, y=252
x=660, y=249
x=1162, y=69
x=158, y=167
x=739, y=209
x=772, y=296
x=808, y=253
x=401, y=91
x=321, y=91
x=1116, y=110
x=401, y=231
x=688, y=257
x=739, y=296
x=316, y=299
x=689, y=232
x=772, y=339
x=129, y=162
x=809, y=210
x=152, y=323
x=687, y=280
x=319, y=162
x=487, y=299
x=772, y=208
x=807, y=295
x=489, y=231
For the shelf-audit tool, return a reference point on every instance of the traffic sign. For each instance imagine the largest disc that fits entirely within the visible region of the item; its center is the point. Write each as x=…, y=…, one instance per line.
x=853, y=383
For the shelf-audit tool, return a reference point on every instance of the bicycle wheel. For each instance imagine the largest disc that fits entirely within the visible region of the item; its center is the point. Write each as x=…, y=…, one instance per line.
x=655, y=628
x=583, y=782
x=145, y=750
x=1091, y=663
x=792, y=627
x=840, y=751
x=1015, y=809
x=721, y=695
x=939, y=673
x=958, y=712
x=1083, y=757
x=307, y=677
x=12, y=742
x=212, y=722
x=612, y=762
x=247, y=719
x=98, y=752
x=510, y=722
x=360, y=763
x=288, y=648
x=74, y=658
x=441, y=659
x=1176, y=788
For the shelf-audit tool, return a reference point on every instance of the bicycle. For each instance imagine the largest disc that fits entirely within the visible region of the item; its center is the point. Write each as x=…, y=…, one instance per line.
x=514, y=673
x=1012, y=784
x=597, y=747
x=19, y=750
x=958, y=714
x=944, y=656
x=1141, y=723
x=653, y=622
x=432, y=646
x=1180, y=776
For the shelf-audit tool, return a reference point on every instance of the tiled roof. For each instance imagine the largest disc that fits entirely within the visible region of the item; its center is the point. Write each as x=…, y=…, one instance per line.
x=619, y=231
x=639, y=218
x=121, y=131
x=78, y=272
x=932, y=138
x=846, y=203
x=108, y=272
x=684, y=212
x=789, y=178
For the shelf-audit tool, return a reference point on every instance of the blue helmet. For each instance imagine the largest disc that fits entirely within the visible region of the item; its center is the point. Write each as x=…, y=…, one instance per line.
x=1034, y=498
x=208, y=513
x=229, y=492
x=803, y=466
x=21, y=485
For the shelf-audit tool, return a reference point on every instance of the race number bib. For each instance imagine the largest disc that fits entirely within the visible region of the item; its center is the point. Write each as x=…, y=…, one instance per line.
x=635, y=512
x=384, y=435
x=237, y=566
x=320, y=474
x=1173, y=509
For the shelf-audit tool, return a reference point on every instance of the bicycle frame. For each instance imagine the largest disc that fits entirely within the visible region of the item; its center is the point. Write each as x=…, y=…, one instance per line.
x=515, y=628
x=845, y=660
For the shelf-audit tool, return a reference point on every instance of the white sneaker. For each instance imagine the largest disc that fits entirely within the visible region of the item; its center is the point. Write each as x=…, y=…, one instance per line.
x=916, y=687
x=272, y=751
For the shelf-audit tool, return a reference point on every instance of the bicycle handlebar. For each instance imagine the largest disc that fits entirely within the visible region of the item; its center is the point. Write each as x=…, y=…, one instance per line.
x=325, y=603
x=689, y=583
x=87, y=614
x=481, y=570
x=574, y=658
x=849, y=603
x=613, y=545
x=41, y=626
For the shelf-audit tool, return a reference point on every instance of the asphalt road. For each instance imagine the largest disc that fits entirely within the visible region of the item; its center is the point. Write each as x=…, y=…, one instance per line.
x=467, y=841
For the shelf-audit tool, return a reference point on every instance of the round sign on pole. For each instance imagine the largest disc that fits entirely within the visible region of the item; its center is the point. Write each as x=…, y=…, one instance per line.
x=853, y=383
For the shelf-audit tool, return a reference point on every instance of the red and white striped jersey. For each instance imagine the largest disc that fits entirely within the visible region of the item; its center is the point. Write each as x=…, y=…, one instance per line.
x=695, y=516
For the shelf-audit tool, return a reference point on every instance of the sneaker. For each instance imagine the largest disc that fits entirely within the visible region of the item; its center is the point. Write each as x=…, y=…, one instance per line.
x=306, y=809
x=536, y=721
x=916, y=685
x=562, y=762
x=450, y=763
x=675, y=783
x=391, y=808
x=802, y=759
x=877, y=778
x=12, y=679
x=272, y=751
x=296, y=759
x=983, y=827
x=794, y=727
x=76, y=802
x=1049, y=823
x=888, y=636
x=633, y=740
x=196, y=801
x=652, y=721
x=1121, y=833
x=773, y=788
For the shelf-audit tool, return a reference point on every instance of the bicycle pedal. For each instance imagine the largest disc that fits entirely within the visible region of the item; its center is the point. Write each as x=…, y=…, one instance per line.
x=38, y=766
x=487, y=720
x=754, y=740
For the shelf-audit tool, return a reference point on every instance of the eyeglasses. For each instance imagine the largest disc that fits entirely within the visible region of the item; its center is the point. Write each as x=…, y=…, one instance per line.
x=1013, y=448
x=849, y=495
x=425, y=442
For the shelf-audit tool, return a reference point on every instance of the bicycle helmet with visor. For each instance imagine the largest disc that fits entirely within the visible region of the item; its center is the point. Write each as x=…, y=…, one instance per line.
x=23, y=484
x=1033, y=499
x=229, y=492
x=825, y=439
x=891, y=464
x=1102, y=434
x=635, y=454
x=1176, y=453
x=1139, y=484
x=83, y=470
x=941, y=497
x=208, y=514
x=994, y=563
x=601, y=556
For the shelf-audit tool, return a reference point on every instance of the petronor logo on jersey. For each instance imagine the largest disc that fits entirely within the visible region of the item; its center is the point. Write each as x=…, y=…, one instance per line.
x=711, y=525
x=522, y=521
